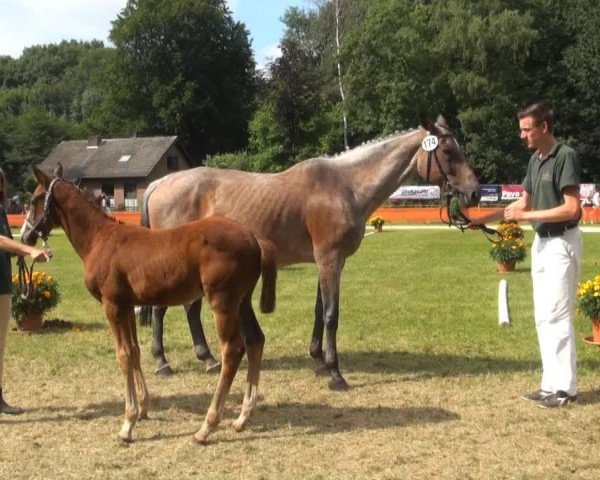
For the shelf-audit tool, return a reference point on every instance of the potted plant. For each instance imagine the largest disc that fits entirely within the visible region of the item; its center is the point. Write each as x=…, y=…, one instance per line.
x=588, y=303
x=377, y=223
x=28, y=312
x=510, y=249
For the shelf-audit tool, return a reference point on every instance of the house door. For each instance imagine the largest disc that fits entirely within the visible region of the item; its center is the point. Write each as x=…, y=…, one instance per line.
x=108, y=190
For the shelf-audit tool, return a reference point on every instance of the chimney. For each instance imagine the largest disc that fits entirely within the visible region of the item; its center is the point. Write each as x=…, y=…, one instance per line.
x=93, y=141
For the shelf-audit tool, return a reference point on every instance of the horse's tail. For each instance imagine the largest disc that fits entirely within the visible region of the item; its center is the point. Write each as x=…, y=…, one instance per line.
x=145, y=218
x=146, y=310
x=268, y=265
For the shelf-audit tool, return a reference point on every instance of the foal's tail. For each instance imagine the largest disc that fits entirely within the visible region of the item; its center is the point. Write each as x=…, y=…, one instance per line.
x=268, y=265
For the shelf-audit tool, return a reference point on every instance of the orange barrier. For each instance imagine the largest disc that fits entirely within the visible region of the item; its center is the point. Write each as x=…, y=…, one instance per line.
x=422, y=214
x=389, y=214
x=16, y=221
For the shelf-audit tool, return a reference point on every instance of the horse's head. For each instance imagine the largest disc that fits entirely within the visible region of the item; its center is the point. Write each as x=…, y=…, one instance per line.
x=40, y=218
x=441, y=161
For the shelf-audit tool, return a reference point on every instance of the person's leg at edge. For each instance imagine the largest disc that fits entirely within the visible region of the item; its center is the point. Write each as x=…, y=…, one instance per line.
x=5, y=301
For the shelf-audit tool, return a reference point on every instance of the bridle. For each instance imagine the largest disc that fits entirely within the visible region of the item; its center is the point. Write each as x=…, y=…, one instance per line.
x=455, y=216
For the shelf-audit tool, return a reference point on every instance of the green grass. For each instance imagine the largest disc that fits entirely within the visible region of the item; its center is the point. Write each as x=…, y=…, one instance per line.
x=435, y=380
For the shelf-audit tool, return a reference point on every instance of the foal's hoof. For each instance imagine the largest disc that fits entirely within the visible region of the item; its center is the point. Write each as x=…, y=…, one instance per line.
x=213, y=367
x=338, y=385
x=163, y=371
x=201, y=436
x=321, y=370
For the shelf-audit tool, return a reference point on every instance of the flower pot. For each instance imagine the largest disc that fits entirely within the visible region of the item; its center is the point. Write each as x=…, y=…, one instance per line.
x=596, y=330
x=31, y=323
x=379, y=228
x=505, y=266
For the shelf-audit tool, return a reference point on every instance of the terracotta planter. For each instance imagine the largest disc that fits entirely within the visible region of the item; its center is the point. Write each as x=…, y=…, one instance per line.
x=505, y=267
x=31, y=323
x=596, y=330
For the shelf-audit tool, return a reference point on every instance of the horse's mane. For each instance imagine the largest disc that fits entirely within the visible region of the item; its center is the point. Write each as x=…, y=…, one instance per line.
x=348, y=155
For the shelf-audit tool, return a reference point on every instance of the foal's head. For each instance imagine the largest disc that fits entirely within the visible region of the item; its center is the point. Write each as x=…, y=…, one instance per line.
x=446, y=163
x=40, y=217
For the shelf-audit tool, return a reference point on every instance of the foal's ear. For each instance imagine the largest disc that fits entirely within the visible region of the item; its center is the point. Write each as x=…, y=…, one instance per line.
x=41, y=177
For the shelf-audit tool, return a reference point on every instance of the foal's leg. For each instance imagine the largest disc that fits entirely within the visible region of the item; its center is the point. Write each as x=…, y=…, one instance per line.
x=200, y=346
x=121, y=328
x=330, y=271
x=255, y=341
x=158, y=350
x=138, y=375
x=232, y=351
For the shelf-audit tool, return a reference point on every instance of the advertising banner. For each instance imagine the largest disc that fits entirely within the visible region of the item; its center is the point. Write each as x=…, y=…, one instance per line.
x=490, y=193
x=417, y=192
x=512, y=192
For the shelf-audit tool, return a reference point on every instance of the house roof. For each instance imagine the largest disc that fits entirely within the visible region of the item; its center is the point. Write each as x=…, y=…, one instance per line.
x=111, y=158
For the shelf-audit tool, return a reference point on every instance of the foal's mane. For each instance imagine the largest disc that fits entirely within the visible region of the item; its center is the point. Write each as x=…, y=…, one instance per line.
x=90, y=197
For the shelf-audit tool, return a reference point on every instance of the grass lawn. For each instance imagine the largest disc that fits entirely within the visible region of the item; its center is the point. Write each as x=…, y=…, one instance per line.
x=435, y=381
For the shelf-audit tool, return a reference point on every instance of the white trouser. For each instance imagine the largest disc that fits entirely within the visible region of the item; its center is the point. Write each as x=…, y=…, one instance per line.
x=5, y=302
x=555, y=269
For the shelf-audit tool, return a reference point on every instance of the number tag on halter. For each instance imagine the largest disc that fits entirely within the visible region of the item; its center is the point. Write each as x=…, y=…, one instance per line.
x=429, y=143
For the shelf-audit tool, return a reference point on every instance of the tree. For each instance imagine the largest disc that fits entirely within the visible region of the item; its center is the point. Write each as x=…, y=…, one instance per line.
x=183, y=67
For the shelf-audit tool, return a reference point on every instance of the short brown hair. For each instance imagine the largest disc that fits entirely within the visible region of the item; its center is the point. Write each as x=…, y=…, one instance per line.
x=540, y=112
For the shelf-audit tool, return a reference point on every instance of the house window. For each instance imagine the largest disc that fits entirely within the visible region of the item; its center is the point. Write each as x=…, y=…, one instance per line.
x=124, y=158
x=172, y=163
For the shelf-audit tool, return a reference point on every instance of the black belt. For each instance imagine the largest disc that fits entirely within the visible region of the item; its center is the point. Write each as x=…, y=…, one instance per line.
x=556, y=233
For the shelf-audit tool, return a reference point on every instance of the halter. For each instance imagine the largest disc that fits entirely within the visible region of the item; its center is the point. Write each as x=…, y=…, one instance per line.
x=26, y=283
x=36, y=227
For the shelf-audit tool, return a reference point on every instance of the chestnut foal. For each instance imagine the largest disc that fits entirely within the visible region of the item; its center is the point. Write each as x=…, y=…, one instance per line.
x=127, y=265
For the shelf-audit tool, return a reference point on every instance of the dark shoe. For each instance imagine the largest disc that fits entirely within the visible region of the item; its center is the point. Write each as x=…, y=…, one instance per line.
x=558, y=399
x=7, y=409
x=536, y=396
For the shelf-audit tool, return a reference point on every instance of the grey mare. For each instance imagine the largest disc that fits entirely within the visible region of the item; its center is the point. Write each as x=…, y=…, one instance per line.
x=315, y=211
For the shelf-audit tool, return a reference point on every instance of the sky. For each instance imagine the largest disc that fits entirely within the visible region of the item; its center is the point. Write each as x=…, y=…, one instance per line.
x=24, y=23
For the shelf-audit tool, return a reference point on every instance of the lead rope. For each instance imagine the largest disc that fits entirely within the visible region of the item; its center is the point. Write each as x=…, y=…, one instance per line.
x=456, y=218
x=26, y=285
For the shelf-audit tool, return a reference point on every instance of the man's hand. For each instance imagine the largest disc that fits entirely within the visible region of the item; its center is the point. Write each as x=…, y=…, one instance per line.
x=514, y=212
x=40, y=255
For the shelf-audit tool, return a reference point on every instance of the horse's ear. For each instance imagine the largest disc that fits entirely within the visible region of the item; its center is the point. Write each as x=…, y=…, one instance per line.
x=428, y=125
x=58, y=171
x=441, y=121
x=41, y=176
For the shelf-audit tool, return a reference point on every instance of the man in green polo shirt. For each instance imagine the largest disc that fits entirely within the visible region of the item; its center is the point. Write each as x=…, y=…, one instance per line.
x=551, y=203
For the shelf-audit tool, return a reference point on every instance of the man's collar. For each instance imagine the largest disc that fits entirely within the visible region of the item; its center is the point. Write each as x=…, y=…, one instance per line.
x=551, y=153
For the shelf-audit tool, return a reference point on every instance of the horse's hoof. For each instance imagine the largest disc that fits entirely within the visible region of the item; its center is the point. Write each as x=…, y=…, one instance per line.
x=143, y=416
x=163, y=371
x=213, y=367
x=338, y=385
x=321, y=371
